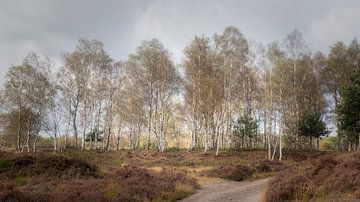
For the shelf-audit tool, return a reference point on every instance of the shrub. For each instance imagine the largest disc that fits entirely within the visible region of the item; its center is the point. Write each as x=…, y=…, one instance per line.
x=263, y=166
x=325, y=176
x=9, y=193
x=60, y=166
x=57, y=178
x=53, y=166
x=138, y=184
x=232, y=172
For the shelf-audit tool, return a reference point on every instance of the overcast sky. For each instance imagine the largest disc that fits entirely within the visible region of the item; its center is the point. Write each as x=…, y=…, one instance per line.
x=53, y=27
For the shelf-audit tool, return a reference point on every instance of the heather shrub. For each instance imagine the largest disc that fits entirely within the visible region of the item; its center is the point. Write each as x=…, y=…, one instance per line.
x=326, y=176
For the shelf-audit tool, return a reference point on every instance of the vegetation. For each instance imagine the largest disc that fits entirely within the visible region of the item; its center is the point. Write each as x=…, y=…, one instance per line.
x=312, y=126
x=349, y=109
x=67, y=178
x=240, y=172
x=324, y=177
x=245, y=128
x=225, y=95
x=142, y=129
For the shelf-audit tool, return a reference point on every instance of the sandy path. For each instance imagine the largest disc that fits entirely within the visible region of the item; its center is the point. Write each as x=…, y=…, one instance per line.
x=248, y=191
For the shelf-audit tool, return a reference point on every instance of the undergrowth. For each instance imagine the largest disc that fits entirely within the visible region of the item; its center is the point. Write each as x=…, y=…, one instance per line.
x=324, y=177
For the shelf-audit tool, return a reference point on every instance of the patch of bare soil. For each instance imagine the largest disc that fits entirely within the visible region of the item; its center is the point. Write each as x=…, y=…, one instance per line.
x=249, y=191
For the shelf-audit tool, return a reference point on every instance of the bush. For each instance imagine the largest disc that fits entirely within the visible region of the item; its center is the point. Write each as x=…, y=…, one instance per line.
x=263, y=166
x=60, y=166
x=21, y=162
x=53, y=166
x=325, y=176
x=57, y=178
x=9, y=193
x=138, y=184
x=232, y=172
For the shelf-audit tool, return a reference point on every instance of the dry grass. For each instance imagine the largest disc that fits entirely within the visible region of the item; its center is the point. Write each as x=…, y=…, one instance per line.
x=181, y=191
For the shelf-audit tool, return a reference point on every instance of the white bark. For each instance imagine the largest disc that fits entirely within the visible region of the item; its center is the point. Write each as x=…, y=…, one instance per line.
x=280, y=146
x=55, y=141
x=273, y=155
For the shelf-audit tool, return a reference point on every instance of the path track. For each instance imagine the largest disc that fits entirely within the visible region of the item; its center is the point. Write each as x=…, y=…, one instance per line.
x=249, y=191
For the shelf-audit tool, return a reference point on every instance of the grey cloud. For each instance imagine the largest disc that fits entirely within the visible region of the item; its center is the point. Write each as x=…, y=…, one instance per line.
x=52, y=27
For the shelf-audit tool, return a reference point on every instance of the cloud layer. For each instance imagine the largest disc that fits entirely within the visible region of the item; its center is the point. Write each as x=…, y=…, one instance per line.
x=53, y=27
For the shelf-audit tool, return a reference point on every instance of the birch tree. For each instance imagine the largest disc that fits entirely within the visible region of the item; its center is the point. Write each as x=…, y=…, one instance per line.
x=204, y=89
x=233, y=54
x=155, y=77
x=26, y=97
x=82, y=79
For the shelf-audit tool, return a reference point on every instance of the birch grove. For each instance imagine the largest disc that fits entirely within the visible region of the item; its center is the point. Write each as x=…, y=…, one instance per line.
x=226, y=93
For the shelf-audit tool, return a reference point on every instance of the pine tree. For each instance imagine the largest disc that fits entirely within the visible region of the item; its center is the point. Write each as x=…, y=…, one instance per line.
x=348, y=110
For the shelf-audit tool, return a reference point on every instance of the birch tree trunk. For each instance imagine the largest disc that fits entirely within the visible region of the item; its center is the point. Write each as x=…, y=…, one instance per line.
x=28, y=139
x=206, y=138
x=217, y=145
x=273, y=155
x=35, y=142
x=280, y=145
x=84, y=137
x=55, y=141
x=75, y=118
x=18, y=139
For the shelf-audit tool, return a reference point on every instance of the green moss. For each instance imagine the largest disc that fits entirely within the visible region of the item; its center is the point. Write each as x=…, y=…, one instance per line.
x=4, y=164
x=21, y=181
x=110, y=194
x=173, y=149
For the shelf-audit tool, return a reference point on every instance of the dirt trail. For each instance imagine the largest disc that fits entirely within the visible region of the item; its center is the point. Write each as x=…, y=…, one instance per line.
x=248, y=191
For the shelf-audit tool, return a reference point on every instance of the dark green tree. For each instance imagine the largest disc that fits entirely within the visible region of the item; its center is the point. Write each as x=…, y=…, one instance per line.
x=312, y=126
x=95, y=135
x=245, y=129
x=348, y=111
